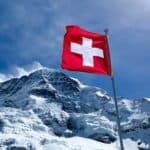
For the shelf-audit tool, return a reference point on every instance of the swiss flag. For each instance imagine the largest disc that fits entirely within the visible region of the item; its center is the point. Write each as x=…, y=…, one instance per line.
x=85, y=51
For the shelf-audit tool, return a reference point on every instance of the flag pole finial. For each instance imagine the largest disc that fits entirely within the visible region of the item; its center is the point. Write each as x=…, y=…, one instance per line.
x=106, y=30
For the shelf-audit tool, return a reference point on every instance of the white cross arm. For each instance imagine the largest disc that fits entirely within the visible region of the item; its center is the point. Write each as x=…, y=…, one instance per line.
x=87, y=51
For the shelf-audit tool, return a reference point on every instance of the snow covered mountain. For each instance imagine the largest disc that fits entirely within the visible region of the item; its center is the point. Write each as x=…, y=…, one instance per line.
x=47, y=110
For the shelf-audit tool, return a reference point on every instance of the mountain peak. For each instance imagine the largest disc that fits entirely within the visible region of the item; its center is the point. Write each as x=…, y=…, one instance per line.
x=55, y=105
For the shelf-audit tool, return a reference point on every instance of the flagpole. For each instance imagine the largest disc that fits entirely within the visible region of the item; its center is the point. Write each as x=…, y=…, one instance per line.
x=115, y=100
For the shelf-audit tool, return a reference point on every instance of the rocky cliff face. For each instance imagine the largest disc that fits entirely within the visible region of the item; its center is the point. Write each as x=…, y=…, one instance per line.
x=48, y=110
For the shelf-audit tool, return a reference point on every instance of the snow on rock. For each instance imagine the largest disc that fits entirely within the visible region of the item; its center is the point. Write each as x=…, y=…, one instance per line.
x=14, y=121
x=148, y=99
x=93, y=126
x=48, y=110
x=102, y=94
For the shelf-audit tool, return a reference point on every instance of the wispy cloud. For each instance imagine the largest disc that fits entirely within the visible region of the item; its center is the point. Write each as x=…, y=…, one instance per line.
x=4, y=77
x=17, y=72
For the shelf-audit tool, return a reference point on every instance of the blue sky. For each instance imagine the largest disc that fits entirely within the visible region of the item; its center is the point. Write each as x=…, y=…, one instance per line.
x=32, y=30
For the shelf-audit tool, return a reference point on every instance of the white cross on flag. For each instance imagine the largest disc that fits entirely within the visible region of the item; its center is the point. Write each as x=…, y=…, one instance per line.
x=85, y=51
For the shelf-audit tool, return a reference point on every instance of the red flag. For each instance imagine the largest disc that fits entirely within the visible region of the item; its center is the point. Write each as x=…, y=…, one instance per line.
x=85, y=51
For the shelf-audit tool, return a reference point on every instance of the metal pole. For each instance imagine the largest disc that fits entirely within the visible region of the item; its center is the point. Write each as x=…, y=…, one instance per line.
x=117, y=112
x=116, y=104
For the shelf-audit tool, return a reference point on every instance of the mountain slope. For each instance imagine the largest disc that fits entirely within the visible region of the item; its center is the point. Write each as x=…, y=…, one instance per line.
x=48, y=110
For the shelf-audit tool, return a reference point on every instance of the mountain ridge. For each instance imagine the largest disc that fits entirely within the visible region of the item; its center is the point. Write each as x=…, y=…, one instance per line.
x=64, y=107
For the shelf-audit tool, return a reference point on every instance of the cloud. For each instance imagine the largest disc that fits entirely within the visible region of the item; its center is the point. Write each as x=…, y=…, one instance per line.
x=33, y=31
x=18, y=72
x=27, y=69
x=3, y=77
